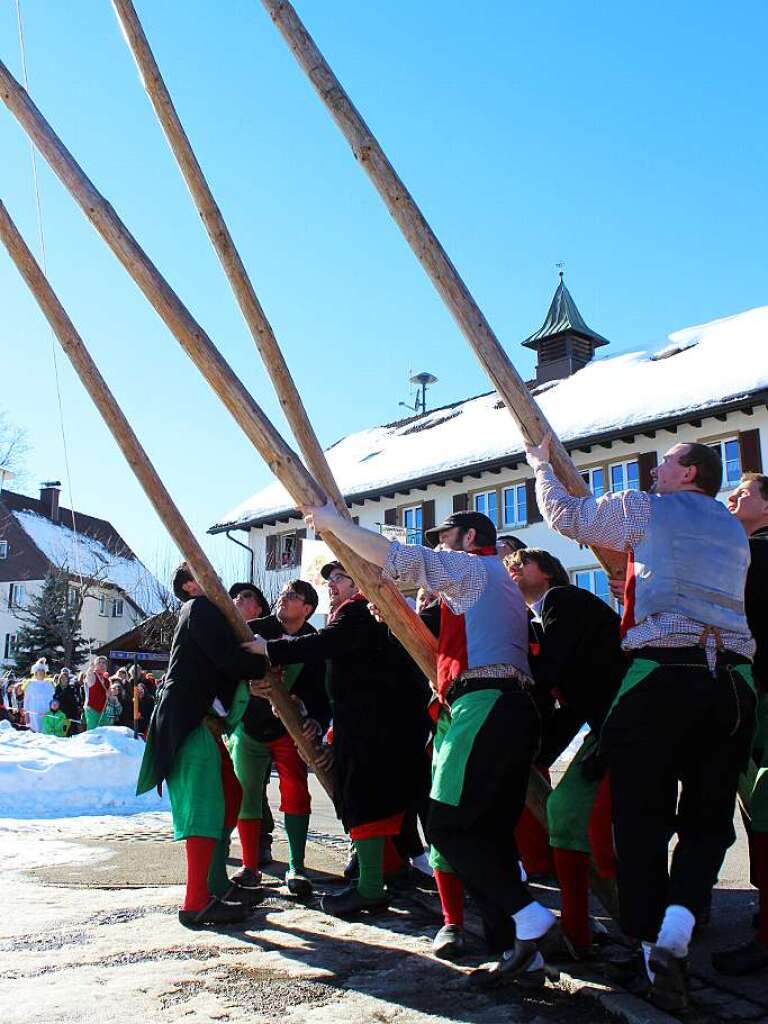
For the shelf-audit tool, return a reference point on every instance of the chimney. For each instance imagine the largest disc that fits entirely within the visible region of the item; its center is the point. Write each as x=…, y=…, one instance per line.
x=49, y=498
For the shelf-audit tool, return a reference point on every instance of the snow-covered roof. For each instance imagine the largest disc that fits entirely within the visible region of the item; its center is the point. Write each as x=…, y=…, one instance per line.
x=89, y=557
x=702, y=367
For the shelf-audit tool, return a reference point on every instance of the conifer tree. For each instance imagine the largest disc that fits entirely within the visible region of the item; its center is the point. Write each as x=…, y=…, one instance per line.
x=51, y=627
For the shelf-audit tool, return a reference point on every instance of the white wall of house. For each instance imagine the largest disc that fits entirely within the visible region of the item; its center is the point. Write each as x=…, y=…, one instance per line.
x=98, y=619
x=573, y=557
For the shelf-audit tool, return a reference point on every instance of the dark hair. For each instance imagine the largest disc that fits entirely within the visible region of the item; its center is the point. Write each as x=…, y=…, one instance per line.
x=181, y=576
x=551, y=567
x=760, y=479
x=513, y=542
x=709, y=468
x=306, y=591
x=483, y=538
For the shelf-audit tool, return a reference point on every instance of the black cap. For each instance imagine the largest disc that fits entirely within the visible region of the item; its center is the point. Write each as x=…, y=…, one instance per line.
x=238, y=588
x=466, y=521
x=327, y=569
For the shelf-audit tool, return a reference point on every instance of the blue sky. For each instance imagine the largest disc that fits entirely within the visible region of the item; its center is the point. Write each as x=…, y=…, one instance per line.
x=627, y=142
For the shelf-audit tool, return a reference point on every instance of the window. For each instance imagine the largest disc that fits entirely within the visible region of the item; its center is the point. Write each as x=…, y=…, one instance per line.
x=413, y=523
x=595, y=480
x=625, y=476
x=595, y=581
x=3, y=548
x=17, y=595
x=73, y=596
x=515, y=506
x=10, y=645
x=102, y=604
x=282, y=550
x=487, y=504
x=288, y=551
x=730, y=456
x=117, y=607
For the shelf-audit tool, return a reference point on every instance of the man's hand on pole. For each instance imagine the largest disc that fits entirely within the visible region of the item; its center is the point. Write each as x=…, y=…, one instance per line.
x=321, y=517
x=538, y=454
x=256, y=646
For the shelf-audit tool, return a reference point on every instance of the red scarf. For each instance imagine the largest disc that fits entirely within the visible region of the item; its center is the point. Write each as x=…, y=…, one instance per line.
x=358, y=597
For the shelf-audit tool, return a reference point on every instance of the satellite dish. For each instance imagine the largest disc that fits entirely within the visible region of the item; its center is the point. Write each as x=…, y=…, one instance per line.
x=421, y=380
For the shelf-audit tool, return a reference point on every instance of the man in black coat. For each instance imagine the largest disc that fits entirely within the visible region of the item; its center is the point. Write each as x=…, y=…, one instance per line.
x=377, y=733
x=261, y=739
x=578, y=667
x=204, y=694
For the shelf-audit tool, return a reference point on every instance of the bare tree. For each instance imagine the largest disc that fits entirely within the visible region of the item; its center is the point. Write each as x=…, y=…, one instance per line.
x=14, y=447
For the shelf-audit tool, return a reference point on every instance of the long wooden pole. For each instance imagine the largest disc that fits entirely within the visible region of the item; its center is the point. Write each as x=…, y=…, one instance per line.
x=139, y=461
x=430, y=253
x=284, y=463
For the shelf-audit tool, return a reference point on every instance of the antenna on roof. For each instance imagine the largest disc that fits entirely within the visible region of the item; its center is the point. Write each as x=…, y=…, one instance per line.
x=422, y=381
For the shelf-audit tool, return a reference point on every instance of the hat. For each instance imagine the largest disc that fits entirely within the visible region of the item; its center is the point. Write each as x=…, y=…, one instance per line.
x=238, y=588
x=41, y=665
x=465, y=521
x=327, y=569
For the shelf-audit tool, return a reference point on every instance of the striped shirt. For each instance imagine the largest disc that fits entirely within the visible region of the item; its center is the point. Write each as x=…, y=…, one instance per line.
x=619, y=521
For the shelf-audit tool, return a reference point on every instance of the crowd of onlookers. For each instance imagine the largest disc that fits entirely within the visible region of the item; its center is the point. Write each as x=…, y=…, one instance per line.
x=64, y=703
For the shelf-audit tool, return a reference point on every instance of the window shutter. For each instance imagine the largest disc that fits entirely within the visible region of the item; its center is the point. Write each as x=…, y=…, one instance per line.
x=301, y=535
x=427, y=515
x=749, y=446
x=356, y=520
x=460, y=502
x=270, y=561
x=532, y=509
x=646, y=462
x=390, y=517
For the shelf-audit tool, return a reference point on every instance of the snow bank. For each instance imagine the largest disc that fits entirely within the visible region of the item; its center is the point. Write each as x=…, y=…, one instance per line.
x=92, y=773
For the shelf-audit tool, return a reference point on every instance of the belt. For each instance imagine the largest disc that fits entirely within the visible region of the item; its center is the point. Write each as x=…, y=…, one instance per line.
x=692, y=657
x=461, y=687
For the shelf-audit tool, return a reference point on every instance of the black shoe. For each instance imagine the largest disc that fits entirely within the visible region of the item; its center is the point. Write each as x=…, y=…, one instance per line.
x=669, y=988
x=247, y=878
x=216, y=912
x=247, y=896
x=746, y=959
x=558, y=949
x=628, y=970
x=298, y=884
x=449, y=942
x=352, y=867
x=513, y=963
x=532, y=979
x=349, y=902
x=265, y=853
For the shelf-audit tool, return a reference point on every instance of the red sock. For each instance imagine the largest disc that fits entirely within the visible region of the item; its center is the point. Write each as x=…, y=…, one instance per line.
x=249, y=830
x=601, y=832
x=199, y=855
x=392, y=862
x=450, y=888
x=572, y=867
x=759, y=850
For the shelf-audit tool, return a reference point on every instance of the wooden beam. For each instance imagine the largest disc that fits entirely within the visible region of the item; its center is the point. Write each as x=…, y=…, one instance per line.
x=284, y=463
x=510, y=386
x=112, y=414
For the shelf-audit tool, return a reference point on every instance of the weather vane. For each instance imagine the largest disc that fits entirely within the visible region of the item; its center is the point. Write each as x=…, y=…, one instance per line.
x=561, y=268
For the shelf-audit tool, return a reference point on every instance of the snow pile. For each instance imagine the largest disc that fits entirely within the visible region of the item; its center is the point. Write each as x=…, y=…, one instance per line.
x=702, y=366
x=90, y=558
x=91, y=773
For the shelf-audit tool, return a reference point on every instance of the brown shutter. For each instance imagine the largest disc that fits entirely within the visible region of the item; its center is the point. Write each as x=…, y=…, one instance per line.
x=427, y=515
x=390, y=517
x=301, y=535
x=532, y=514
x=270, y=561
x=460, y=502
x=749, y=446
x=646, y=462
x=356, y=520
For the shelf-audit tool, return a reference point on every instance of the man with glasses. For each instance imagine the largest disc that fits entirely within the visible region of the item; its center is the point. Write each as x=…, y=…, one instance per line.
x=488, y=731
x=378, y=741
x=261, y=739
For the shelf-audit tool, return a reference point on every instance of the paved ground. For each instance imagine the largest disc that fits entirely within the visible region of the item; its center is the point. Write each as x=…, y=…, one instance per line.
x=89, y=934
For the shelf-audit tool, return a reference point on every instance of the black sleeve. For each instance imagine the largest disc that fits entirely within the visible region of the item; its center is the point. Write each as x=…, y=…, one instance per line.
x=336, y=640
x=310, y=688
x=215, y=638
x=561, y=633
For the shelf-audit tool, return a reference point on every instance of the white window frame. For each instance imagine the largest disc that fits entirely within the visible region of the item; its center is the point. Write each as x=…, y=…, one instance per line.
x=593, y=570
x=624, y=474
x=485, y=494
x=117, y=607
x=103, y=605
x=720, y=444
x=414, y=534
x=287, y=550
x=3, y=549
x=590, y=475
x=10, y=646
x=72, y=596
x=17, y=595
x=515, y=504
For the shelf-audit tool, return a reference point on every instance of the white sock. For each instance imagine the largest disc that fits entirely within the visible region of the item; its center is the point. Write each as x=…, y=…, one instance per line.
x=422, y=863
x=533, y=921
x=523, y=872
x=646, y=955
x=676, y=930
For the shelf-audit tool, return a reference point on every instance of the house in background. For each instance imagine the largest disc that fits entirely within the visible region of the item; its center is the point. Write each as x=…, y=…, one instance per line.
x=616, y=415
x=36, y=535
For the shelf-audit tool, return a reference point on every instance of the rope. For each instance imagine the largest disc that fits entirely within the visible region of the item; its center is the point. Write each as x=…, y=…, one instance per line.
x=44, y=263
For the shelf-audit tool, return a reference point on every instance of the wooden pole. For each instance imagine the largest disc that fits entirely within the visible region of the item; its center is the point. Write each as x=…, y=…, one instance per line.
x=141, y=465
x=430, y=253
x=284, y=463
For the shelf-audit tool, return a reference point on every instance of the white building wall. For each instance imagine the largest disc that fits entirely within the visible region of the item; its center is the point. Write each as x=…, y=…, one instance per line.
x=573, y=557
